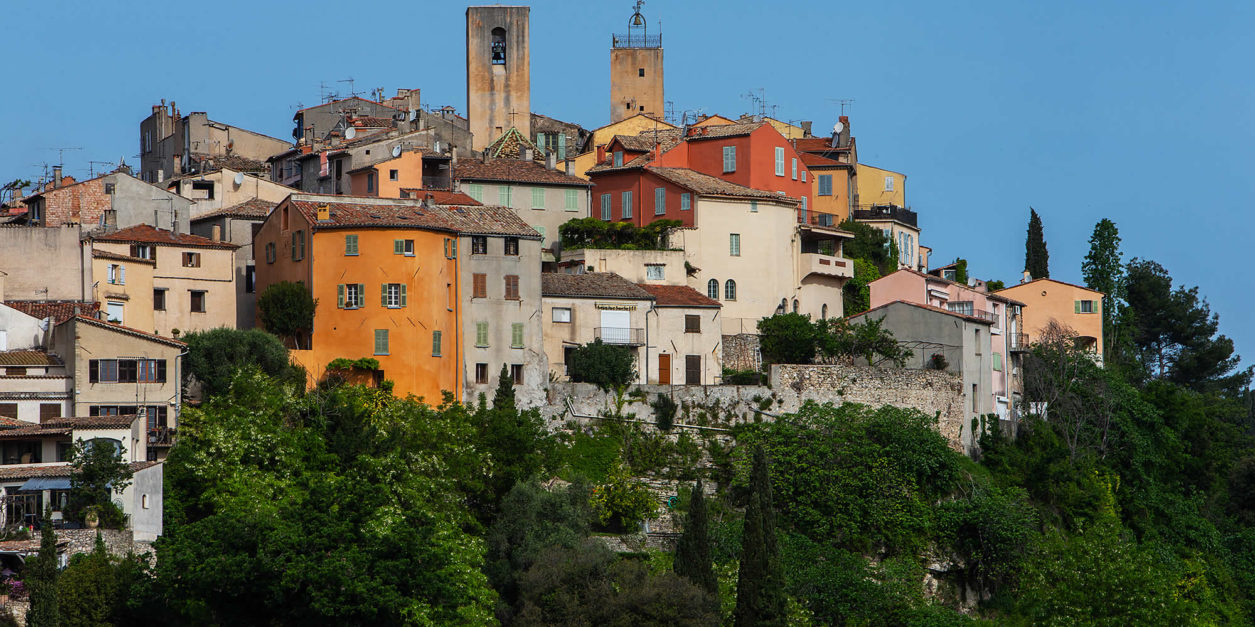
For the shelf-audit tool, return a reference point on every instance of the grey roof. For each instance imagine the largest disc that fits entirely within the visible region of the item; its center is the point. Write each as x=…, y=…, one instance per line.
x=591, y=285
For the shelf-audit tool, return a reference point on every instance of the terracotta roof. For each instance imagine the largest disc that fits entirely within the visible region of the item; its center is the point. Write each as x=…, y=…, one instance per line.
x=941, y=279
x=145, y=234
x=679, y=296
x=370, y=121
x=409, y=213
x=58, y=310
x=1079, y=287
x=814, y=160
x=31, y=430
x=213, y=163
x=104, y=254
x=20, y=471
x=645, y=141
x=707, y=185
x=443, y=197
x=637, y=162
x=28, y=358
x=511, y=145
x=927, y=307
x=128, y=330
x=91, y=422
x=722, y=130
x=252, y=208
x=514, y=171
x=817, y=144
x=6, y=421
x=590, y=285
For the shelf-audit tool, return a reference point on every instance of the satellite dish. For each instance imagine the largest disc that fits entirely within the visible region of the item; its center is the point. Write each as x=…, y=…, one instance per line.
x=350, y=133
x=396, y=151
x=239, y=179
x=838, y=127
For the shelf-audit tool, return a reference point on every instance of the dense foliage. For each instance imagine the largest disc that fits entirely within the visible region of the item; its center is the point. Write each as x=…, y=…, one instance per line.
x=287, y=310
x=791, y=338
x=605, y=365
x=1036, y=257
x=213, y=357
x=596, y=233
x=99, y=472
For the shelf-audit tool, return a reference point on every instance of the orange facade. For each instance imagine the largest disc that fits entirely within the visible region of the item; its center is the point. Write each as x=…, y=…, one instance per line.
x=385, y=293
x=387, y=179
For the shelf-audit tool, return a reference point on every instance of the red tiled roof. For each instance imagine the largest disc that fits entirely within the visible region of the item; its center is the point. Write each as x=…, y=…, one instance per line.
x=91, y=422
x=371, y=122
x=145, y=234
x=408, y=213
x=590, y=285
x=104, y=254
x=443, y=197
x=514, y=171
x=813, y=160
x=678, y=296
x=645, y=141
x=1079, y=287
x=816, y=144
x=128, y=330
x=58, y=310
x=717, y=131
x=252, y=208
x=707, y=185
x=28, y=358
x=21, y=471
x=927, y=307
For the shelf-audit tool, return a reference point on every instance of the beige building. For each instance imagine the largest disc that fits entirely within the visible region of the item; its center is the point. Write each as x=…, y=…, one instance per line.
x=172, y=145
x=628, y=127
x=33, y=386
x=654, y=267
x=224, y=188
x=1071, y=306
x=685, y=336
x=542, y=195
x=498, y=72
x=123, y=285
x=581, y=308
x=636, y=84
x=236, y=225
x=193, y=278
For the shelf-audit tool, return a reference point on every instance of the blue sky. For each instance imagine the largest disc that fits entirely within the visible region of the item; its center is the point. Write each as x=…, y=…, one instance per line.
x=1083, y=110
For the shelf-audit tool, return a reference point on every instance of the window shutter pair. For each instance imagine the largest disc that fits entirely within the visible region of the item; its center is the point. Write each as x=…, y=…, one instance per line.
x=398, y=247
x=435, y=343
x=93, y=371
x=516, y=335
x=481, y=334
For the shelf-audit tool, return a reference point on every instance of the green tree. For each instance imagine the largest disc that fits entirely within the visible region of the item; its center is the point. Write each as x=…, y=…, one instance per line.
x=692, y=550
x=503, y=398
x=788, y=338
x=869, y=244
x=287, y=310
x=214, y=356
x=1036, y=257
x=868, y=340
x=605, y=365
x=41, y=579
x=87, y=590
x=995, y=285
x=98, y=471
x=857, y=291
x=760, y=597
x=1103, y=270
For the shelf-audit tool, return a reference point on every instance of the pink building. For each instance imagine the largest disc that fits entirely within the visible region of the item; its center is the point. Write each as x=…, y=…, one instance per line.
x=1008, y=340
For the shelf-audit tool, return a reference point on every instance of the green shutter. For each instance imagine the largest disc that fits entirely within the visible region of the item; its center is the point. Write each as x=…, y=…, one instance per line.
x=403, y=299
x=398, y=247
x=516, y=335
x=383, y=294
x=998, y=362
x=572, y=200
x=381, y=341
x=1077, y=306
x=340, y=296
x=361, y=295
x=350, y=244
x=481, y=334
x=435, y=343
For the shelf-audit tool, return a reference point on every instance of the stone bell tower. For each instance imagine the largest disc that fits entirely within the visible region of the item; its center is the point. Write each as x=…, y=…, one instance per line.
x=498, y=72
x=636, y=70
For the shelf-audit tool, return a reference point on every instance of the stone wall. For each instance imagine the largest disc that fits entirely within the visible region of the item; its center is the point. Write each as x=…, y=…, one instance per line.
x=117, y=542
x=936, y=393
x=740, y=352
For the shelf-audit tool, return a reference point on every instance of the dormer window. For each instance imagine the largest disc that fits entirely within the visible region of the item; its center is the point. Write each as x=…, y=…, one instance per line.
x=498, y=46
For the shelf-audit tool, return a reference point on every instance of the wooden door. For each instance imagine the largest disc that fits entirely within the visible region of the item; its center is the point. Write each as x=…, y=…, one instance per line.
x=692, y=370
x=664, y=369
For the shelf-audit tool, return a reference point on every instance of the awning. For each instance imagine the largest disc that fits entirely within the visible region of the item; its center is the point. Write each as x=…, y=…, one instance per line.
x=45, y=483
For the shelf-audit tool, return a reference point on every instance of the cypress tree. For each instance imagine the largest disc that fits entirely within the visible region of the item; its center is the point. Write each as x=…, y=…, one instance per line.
x=42, y=580
x=760, y=583
x=1036, y=258
x=504, y=397
x=692, y=550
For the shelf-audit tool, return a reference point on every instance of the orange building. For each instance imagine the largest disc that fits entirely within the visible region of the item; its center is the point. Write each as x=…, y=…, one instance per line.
x=386, y=179
x=1071, y=306
x=385, y=275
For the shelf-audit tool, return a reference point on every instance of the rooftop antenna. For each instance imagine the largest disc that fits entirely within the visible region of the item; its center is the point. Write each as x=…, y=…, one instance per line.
x=61, y=153
x=669, y=112
x=91, y=167
x=349, y=80
x=759, y=101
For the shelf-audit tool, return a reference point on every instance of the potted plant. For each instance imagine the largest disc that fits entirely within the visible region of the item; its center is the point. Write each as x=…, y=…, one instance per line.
x=91, y=517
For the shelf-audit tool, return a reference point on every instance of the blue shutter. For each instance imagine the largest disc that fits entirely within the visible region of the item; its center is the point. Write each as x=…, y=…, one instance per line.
x=686, y=202
x=660, y=201
x=605, y=208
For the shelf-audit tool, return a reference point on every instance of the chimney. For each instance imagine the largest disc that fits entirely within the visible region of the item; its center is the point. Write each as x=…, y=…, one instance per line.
x=215, y=234
x=551, y=160
x=601, y=154
x=527, y=154
x=1028, y=276
x=56, y=176
x=570, y=167
x=806, y=128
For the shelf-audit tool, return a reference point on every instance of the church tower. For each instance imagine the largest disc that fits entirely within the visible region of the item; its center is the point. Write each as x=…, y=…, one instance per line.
x=636, y=70
x=498, y=74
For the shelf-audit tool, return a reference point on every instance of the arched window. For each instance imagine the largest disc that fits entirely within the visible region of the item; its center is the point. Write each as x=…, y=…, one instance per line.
x=823, y=312
x=729, y=290
x=712, y=289
x=498, y=46
x=110, y=443
x=795, y=303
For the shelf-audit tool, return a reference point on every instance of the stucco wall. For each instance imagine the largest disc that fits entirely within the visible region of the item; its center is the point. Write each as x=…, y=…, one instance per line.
x=585, y=318
x=1049, y=301
x=43, y=263
x=631, y=264
x=79, y=342
x=630, y=92
x=132, y=287
x=144, y=503
x=667, y=336
x=215, y=276
x=18, y=330
x=546, y=219
x=497, y=96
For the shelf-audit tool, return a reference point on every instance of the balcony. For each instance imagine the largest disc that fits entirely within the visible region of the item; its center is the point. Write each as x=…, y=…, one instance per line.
x=1018, y=342
x=817, y=218
x=887, y=212
x=620, y=335
x=437, y=182
x=965, y=308
x=829, y=265
x=161, y=437
x=635, y=40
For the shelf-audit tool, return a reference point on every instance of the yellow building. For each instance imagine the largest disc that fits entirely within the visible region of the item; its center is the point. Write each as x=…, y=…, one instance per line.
x=387, y=178
x=123, y=285
x=631, y=126
x=1071, y=306
x=878, y=186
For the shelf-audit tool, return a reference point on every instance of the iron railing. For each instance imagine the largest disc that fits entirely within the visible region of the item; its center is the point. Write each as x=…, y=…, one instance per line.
x=635, y=40
x=1019, y=341
x=620, y=335
x=887, y=212
x=161, y=436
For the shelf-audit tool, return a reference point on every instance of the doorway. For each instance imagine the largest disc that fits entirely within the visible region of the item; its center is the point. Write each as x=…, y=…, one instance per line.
x=664, y=369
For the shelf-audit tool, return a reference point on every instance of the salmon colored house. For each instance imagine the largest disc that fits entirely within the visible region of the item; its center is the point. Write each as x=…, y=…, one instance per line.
x=385, y=275
x=1073, y=306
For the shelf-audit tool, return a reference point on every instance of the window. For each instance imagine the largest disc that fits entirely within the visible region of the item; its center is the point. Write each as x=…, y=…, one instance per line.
x=516, y=373
x=14, y=372
x=479, y=285
x=998, y=362
x=270, y=252
x=481, y=334
x=481, y=373
x=435, y=343
x=448, y=296
x=512, y=246
x=804, y=206
x=964, y=307
x=381, y=341
x=605, y=208
x=392, y=175
x=198, y=301
x=712, y=289
x=159, y=300
x=729, y=290
x=479, y=245
x=392, y=295
x=144, y=501
x=403, y=247
x=753, y=206
x=974, y=392
x=370, y=182
x=8, y=410
x=976, y=334
x=126, y=371
x=729, y=159
x=114, y=311
x=640, y=72
x=351, y=296
x=250, y=278
x=686, y=202
x=660, y=201
x=350, y=245
x=505, y=196
x=476, y=191
x=795, y=168
x=627, y=205
x=561, y=314
x=143, y=251
x=298, y=245
x=823, y=312
x=692, y=323
x=618, y=158
x=516, y=335
x=888, y=183
x=512, y=286
x=734, y=244
x=1086, y=306
x=779, y=162
x=571, y=198
x=655, y=271
x=538, y=198
x=541, y=230
x=117, y=274
x=498, y=46
x=803, y=176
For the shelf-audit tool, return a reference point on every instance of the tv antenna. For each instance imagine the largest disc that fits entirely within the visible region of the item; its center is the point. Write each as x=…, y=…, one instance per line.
x=61, y=153
x=325, y=94
x=349, y=80
x=759, y=101
x=91, y=167
x=844, y=102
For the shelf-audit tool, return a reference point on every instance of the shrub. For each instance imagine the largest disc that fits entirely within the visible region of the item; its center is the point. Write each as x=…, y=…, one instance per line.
x=742, y=377
x=788, y=338
x=287, y=310
x=605, y=365
x=214, y=356
x=621, y=502
x=664, y=411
